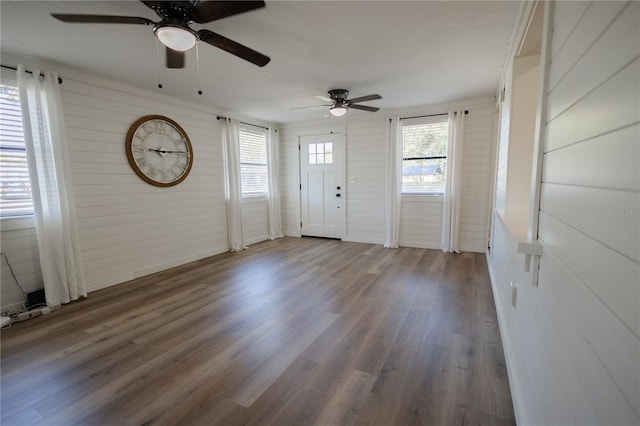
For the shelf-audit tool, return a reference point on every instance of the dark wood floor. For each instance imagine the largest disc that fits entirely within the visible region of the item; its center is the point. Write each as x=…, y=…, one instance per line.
x=290, y=332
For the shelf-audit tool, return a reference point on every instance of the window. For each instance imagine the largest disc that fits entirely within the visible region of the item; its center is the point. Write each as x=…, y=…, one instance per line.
x=15, y=188
x=321, y=153
x=424, y=155
x=253, y=162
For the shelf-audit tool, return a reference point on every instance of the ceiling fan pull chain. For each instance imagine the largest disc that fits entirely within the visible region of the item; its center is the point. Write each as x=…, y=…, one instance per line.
x=158, y=63
x=198, y=67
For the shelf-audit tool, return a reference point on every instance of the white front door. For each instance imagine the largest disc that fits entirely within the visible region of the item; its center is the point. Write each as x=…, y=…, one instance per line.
x=322, y=185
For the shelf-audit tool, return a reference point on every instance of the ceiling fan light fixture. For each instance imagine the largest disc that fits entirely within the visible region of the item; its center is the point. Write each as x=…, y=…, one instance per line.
x=176, y=38
x=338, y=111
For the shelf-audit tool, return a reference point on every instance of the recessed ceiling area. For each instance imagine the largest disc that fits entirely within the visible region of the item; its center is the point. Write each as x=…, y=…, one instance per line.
x=411, y=53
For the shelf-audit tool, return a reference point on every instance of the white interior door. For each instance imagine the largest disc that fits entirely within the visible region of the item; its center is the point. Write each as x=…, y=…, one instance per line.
x=322, y=185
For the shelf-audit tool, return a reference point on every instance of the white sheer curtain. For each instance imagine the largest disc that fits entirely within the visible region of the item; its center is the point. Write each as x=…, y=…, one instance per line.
x=453, y=187
x=273, y=165
x=233, y=185
x=51, y=188
x=393, y=182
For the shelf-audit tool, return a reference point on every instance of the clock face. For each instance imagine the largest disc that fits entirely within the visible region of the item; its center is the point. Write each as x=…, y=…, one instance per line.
x=159, y=150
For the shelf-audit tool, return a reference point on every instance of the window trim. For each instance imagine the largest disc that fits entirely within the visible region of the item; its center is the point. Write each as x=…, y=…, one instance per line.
x=417, y=121
x=248, y=128
x=11, y=82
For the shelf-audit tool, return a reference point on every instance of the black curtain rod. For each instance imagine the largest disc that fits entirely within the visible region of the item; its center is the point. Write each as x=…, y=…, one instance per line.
x=466, y=111
x=220, y=117
x=30, y=72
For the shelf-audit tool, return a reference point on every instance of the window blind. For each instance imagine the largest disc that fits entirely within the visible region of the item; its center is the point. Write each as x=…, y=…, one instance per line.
x=424, y=154
x=15, y=188
x=253, y=162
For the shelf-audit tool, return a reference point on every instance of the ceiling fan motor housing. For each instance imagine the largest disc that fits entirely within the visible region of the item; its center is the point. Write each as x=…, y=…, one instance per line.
x=339, y=95
x=172, y=12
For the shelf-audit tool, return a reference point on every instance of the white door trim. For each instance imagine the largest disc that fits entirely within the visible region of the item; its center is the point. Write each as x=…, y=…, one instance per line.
x=334, y=131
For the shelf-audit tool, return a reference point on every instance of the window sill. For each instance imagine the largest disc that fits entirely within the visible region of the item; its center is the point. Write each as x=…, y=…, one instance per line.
x=254, y=198
x=418, y=196
x=17, y=222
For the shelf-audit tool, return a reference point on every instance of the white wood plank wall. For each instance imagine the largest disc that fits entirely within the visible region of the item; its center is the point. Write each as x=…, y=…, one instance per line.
x=127, y=227
x=421, y=217
x=573, y=343
x=366, y=196
x=20, y=245
x=289, y=182
x=476, y=185
x=255, y=219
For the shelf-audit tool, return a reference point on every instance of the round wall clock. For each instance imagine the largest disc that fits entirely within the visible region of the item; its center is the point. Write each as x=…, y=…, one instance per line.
x=159, y=150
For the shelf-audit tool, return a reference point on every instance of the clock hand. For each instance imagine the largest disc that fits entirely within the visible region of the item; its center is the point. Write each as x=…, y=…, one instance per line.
x=165, y=151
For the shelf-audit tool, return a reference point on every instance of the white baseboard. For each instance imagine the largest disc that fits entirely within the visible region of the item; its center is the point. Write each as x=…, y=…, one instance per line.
x=121, y=278
x=507, y=347
x=12, y=307
x=363, y=240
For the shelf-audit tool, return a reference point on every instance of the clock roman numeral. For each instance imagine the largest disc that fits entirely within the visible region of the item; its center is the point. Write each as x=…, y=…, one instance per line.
x=142, y=162
x=178, y=170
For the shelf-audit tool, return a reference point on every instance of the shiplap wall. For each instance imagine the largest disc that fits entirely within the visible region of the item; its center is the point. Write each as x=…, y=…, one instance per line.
x=20, y=245
x=477, y=174
x=128, y=228
x=572, y=343
x=255, y=219
x=421, y=216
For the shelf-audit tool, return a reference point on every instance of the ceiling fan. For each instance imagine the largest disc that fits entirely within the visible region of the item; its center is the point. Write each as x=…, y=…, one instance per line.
x=173, y=29
x=340, y=104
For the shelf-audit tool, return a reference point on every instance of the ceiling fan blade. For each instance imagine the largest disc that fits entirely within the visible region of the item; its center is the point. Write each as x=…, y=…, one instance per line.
x=365, y=98
x=310, y=106
x=208, y=11
x=364, y=108
x=323, y=98
x=175, y=58
x=100, y=19
x=233, y=47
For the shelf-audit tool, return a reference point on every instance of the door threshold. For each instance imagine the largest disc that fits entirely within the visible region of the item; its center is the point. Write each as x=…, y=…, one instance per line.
x=322, y=238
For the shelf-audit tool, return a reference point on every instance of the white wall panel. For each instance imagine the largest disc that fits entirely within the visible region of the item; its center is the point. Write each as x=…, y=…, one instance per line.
x=611, y=106
x=20, y=245
x=608, y=216
x=596, y=18
x=421, y=221
x=255, y=219
x=421, y=217
x=290, y=182
x=612, y=279
x=366, y=166
x=608, y=161
x=573, y=342
x=128, y=228
x=599, y=63
x=566, y=16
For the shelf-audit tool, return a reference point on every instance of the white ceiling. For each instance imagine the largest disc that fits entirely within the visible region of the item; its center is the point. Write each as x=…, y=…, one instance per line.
x=411, y=53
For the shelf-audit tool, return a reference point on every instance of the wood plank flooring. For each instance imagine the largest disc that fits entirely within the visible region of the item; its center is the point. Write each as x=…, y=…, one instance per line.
x=297, y=331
